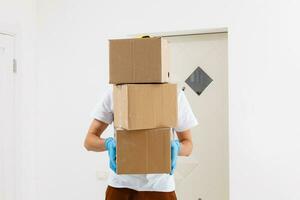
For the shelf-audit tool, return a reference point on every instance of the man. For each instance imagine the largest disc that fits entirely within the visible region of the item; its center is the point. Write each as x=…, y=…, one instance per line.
x=140, y=186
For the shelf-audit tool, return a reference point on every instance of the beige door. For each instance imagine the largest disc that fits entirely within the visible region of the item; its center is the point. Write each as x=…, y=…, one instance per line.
x=205, y=174
x=7, y=133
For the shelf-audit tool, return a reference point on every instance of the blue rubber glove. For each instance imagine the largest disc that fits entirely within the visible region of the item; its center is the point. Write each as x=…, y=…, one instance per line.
x=110, y=146
x=175, y=148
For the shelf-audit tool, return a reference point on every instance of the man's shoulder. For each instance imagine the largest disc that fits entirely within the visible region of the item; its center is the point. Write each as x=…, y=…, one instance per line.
x=108, y=90
x=107, y=94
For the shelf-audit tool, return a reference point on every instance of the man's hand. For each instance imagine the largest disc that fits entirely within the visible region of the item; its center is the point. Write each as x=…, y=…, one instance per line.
x=175, y=149
x=181, y=147
x=110, y=146
x=93, y=142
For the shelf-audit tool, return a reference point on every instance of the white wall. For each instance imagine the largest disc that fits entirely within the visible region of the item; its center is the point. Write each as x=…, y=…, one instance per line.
x=264, y=101
x=263, y=69
x=19, y=17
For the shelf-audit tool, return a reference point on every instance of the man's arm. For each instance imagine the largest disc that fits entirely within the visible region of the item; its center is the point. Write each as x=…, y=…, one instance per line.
x=93, y=142
x=186, y=144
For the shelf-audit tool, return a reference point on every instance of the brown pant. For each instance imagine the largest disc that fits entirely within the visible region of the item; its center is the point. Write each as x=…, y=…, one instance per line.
x=129, y=194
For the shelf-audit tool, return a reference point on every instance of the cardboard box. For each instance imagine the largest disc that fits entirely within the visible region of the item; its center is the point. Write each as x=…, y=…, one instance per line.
x=145, y=106
x=143, y=151
x=141, y=60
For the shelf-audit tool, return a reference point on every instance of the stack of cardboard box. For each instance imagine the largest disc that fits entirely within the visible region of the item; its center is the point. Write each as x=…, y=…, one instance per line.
x=145, y=104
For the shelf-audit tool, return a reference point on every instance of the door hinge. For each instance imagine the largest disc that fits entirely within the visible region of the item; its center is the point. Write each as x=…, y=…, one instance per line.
x=15, y=65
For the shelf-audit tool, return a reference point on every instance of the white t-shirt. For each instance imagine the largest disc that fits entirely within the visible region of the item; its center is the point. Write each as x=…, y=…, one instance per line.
x=145, y=182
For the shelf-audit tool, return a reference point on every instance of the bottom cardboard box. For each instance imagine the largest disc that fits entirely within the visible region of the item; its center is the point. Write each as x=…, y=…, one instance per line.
x=144, y=151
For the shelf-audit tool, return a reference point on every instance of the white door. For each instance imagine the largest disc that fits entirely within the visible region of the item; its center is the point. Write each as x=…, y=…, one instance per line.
x=7, y=133
x=205, y=174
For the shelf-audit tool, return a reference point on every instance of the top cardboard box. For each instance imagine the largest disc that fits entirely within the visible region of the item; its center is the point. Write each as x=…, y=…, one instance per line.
x=140, y=60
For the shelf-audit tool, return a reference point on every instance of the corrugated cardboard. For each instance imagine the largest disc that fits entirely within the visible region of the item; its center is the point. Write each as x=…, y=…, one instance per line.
x=140, y=60
x=143, y=151
x=145, y=106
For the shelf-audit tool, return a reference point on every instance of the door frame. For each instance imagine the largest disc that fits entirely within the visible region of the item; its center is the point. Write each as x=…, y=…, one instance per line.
x=183, y=32
x=13, y=31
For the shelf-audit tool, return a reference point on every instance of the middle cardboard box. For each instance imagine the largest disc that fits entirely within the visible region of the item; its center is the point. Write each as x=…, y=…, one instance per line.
x=145, y=106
